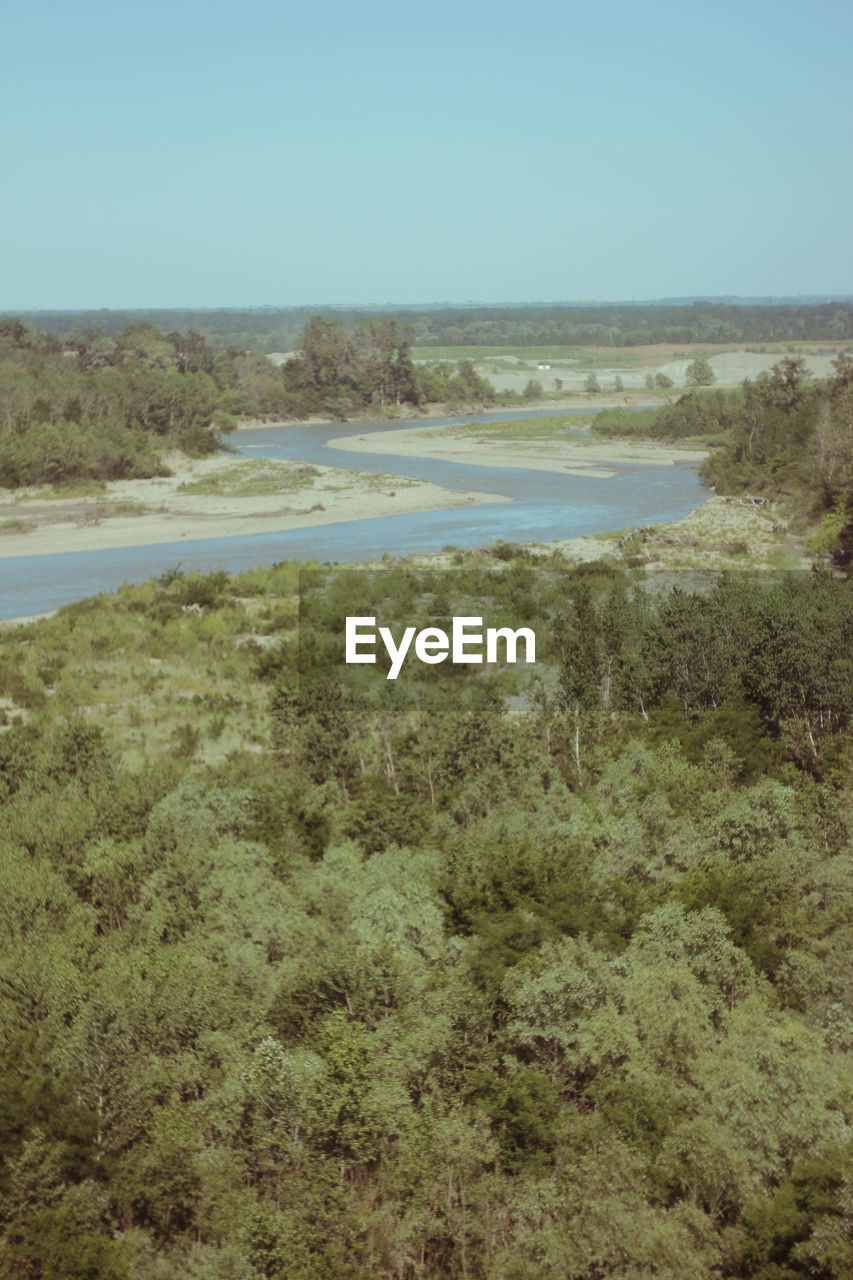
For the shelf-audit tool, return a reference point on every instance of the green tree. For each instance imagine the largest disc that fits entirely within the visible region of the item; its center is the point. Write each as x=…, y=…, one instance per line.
x=699, y=373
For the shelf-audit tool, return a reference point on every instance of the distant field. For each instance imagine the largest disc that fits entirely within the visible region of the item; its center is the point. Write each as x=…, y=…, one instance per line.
x=527, y=354
x=629, y=357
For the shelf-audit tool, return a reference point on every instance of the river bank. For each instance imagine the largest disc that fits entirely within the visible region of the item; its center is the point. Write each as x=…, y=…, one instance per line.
x=571, y=402
x=224, y=497
x=292, y=494
x=721, y=533
x=211, y=498
x=575, y=454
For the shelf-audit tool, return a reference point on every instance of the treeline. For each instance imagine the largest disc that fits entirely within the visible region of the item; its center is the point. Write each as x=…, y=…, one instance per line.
x=619, y=324
x=340, y=369
x=622, y=325
x=104, y=407
x=403, y=983
x=784, y=436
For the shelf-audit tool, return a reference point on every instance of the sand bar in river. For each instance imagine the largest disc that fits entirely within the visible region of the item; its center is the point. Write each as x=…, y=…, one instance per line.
x=575, y=454
x=210, y=498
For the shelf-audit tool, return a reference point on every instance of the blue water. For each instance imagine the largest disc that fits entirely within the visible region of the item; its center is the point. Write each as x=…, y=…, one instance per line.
x=544, y=506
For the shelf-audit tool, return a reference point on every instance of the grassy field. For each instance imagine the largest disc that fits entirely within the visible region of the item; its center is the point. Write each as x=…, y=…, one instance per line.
x=609, y=357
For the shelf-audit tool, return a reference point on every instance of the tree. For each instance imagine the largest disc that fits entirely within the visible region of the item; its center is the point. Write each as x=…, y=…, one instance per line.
x=699, y=373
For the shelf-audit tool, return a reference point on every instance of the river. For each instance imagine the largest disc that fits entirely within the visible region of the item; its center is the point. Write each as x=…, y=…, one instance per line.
x=545, y=506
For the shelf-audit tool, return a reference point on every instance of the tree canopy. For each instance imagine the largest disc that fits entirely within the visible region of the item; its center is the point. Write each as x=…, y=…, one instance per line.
x=481, y=974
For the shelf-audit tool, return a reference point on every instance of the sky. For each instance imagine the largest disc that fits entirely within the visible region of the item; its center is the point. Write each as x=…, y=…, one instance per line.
x=186, y=154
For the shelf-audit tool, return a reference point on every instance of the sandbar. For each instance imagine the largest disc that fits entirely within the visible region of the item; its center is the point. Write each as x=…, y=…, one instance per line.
x=248, y=497
x=576, y=454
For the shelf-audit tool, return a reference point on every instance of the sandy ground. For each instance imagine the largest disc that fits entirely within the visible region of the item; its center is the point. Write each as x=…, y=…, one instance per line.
x=142, y=512
x=577, y=454
x=722, y=533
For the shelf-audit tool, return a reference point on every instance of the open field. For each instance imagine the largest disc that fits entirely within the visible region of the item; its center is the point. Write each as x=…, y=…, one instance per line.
x=563, y=371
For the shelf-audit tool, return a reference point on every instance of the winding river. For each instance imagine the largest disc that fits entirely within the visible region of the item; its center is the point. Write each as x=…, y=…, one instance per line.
x=545, y=506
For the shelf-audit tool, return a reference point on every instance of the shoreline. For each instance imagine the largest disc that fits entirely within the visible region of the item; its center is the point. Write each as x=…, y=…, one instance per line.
x=721, y=533
x=224, y=496
x=217, y=497
x=573, y=401
x=579, y=454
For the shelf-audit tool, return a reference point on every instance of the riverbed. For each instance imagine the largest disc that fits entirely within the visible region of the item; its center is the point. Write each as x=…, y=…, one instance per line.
x=534, y=506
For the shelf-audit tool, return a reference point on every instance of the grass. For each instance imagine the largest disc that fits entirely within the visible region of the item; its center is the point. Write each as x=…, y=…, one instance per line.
x=582, y=358
x=76, y=489
x=555, y=428
x=252, y=479
x=527, y=355
x=261, y=478
x=159, y=669
x=595, y=358
x=784, y=558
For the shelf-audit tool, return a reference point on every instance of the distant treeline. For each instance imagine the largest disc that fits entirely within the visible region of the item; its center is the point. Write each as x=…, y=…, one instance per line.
x=268, y=329
x=621, y=325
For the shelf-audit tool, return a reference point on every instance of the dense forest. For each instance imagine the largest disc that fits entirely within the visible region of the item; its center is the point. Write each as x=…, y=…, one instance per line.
x=613, y=324
x=783, y=436
x=106, y=408
x=505, y=973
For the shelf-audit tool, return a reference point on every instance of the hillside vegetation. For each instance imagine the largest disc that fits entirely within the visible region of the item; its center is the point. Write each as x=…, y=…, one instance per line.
x=530, y=973
x=782, y=436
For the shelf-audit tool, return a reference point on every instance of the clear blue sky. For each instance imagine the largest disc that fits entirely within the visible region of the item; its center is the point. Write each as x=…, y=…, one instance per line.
x=179, y=153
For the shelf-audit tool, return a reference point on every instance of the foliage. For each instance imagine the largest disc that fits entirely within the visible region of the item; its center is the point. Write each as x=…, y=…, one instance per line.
x=482, y=975
x=793, y=437
x=613, y=324
x=699, y=373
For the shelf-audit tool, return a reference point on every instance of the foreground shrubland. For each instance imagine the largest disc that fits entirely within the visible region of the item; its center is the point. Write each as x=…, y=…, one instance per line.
x=526, y=974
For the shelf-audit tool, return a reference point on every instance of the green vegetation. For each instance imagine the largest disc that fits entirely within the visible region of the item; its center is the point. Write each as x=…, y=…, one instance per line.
x=555, y=428
x=350, y=977
x=104, y=408
x=699, y=373
x=622, y=325
x=782, y=437
x=704, y=418
x=253, y=477
x=496, y=329
x=111, y=402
